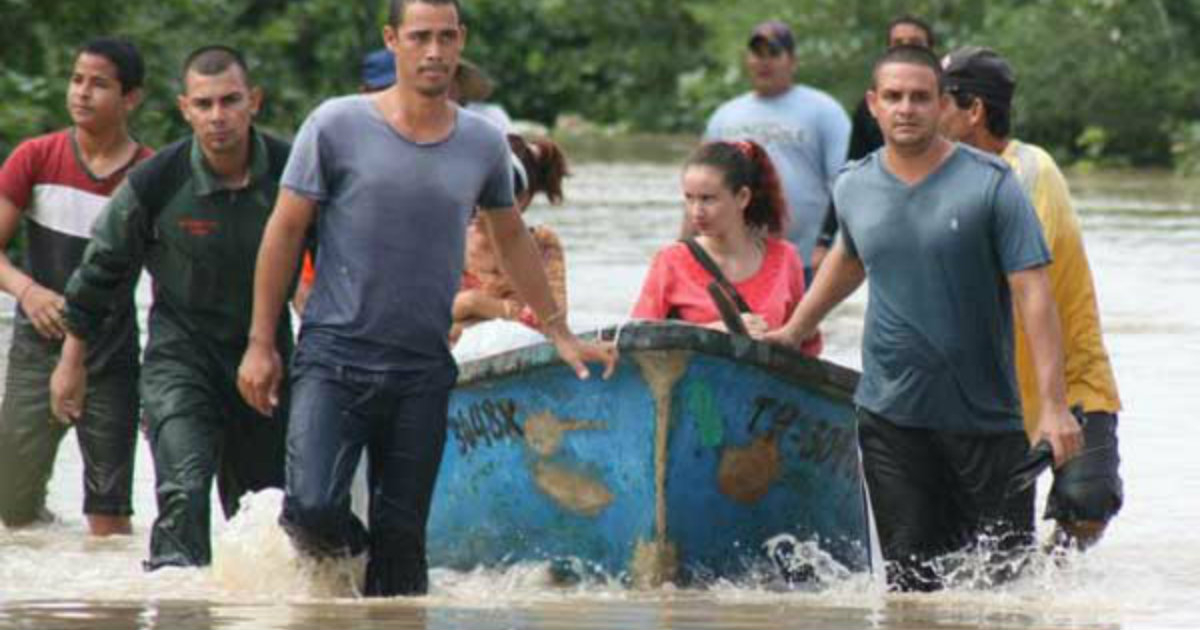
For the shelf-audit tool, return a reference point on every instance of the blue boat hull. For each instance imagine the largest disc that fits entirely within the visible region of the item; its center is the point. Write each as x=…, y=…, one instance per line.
x=700, y=449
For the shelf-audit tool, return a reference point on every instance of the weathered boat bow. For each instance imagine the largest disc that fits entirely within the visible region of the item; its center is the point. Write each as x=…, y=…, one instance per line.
x=699, y=449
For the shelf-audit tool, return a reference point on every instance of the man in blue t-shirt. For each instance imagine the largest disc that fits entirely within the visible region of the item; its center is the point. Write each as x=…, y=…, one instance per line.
x=391, y=180
x=949, y=242
x=804, y=130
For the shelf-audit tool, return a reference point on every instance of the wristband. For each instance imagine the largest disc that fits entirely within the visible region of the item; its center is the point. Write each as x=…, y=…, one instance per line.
x=21, y=294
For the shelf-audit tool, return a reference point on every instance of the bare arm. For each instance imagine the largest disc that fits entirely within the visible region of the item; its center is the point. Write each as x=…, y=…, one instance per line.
x=840, y=275
x=1039, y=317
x=12, y=279
x=43, y=306
x=555, y=263
x=282, y=243
x=522, y=263
x=473, y=305
x=68, y=383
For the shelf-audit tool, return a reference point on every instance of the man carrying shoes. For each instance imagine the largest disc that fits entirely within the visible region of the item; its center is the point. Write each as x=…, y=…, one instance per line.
x=1087, y=490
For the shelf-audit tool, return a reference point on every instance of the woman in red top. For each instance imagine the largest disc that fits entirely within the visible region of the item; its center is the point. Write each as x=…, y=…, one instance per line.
x=734, y=202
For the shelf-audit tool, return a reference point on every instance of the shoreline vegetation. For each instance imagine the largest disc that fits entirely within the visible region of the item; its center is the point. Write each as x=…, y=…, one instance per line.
x=1101, y=83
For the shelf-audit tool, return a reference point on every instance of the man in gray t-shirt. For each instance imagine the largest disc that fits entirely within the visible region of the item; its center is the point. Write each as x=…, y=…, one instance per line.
x=937, y=343
x=804, y=130
x=410, y=202
x=390, y=179
x=949, y=243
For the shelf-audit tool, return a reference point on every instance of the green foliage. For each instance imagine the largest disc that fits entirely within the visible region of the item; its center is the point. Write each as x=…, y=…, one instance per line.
x=1118, y=71
x=300, y=52
x=1185, y=148
x=617, y=61
x=1118, y=68
x=1096, y=76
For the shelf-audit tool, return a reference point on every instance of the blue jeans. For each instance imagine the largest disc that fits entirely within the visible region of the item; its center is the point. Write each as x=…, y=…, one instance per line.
x=399, y=417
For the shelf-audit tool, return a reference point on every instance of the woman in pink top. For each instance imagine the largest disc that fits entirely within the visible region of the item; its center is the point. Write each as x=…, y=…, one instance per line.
x=733, y=200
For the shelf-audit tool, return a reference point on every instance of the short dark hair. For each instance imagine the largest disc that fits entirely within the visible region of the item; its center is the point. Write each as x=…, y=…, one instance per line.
x=131, y=70
x=997, y=116
x=911, y=20
x=213, y=60
x=915, y=55
x=396, y=9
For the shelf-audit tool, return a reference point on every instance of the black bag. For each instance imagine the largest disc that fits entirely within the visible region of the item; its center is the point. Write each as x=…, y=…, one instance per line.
x=725, y=296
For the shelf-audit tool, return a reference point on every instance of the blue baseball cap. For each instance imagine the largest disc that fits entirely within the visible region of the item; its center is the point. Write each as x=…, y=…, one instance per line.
x=775, y=34
x=378, y=69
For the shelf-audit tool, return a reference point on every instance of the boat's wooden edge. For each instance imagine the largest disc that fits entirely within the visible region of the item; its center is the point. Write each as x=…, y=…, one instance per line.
x=830, y=378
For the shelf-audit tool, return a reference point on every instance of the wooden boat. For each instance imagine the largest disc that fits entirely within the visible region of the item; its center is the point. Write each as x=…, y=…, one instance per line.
x=701, y=448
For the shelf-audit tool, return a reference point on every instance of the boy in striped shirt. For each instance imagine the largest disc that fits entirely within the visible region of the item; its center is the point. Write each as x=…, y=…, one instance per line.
x=57, y=184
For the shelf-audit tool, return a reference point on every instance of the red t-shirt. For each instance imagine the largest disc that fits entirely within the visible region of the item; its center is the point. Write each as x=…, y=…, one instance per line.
x=676, y=284
x=46, y=178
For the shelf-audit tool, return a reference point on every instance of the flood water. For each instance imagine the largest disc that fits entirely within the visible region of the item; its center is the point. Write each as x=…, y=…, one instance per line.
x=1143, y=236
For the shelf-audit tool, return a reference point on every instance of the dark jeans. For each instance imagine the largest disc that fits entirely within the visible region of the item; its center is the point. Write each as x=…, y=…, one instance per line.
x=29, y=437
x=400, y=418
x=934, y=492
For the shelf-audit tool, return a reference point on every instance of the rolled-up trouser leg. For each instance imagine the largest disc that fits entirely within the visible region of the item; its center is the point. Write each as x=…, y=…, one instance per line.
x=107, y=436
x=405, y=454
x=185, y=450
x=29, y=437
x=325, y=437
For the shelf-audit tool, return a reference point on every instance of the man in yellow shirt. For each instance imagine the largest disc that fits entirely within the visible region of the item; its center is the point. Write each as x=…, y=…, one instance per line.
x=1087, y=490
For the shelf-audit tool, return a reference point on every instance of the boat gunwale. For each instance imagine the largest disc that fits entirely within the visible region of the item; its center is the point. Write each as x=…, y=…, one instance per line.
x=826, y=377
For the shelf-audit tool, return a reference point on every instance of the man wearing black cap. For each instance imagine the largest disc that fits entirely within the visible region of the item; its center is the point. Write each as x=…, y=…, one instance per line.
x=1087, y=490
x=804, y=130
x=950, y=245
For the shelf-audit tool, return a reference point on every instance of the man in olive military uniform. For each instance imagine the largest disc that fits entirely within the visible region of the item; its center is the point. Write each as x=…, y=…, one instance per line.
x=193, y=217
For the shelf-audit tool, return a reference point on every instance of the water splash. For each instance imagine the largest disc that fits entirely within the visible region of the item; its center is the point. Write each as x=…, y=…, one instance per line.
x=801, y=563
x=254, y=555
